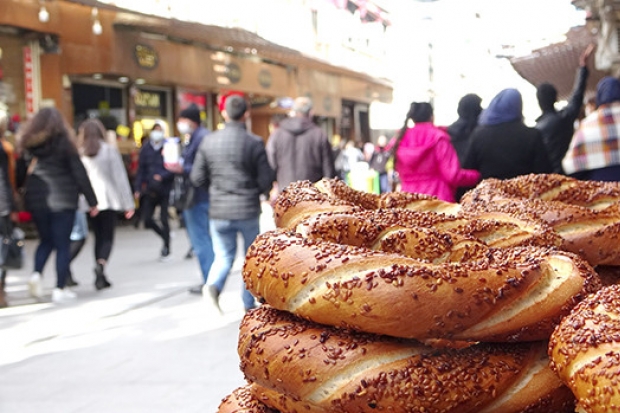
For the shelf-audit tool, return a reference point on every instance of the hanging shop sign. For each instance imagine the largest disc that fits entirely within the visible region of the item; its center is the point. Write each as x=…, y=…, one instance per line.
x=264, y=78
x=233, y=72
x=146, y=56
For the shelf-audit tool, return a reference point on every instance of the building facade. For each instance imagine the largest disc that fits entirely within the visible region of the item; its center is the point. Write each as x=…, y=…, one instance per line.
x=89, y=58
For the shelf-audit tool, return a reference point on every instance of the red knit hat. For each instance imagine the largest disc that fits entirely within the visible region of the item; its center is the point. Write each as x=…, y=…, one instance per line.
x=221, y=100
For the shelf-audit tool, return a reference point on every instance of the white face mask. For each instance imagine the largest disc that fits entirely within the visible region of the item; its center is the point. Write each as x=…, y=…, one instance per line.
x=157, y=135
x=184, y=128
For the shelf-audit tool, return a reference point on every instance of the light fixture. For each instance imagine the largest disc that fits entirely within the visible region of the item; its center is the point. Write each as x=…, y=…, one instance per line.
x=140, y=81
x=123, y=79
x=44, y=15
x=97, y=28
x=97, y=76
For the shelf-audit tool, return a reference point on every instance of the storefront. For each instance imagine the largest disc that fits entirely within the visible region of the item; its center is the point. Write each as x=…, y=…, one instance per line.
x=138, y=69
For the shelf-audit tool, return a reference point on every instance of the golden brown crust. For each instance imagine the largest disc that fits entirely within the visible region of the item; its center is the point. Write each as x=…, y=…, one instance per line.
x=403, y=231
x=593, y=195
x=586, y=214
x=303, y=199
x=509, y=295
x=242, y=400
x=585, y=351
x=298, y=366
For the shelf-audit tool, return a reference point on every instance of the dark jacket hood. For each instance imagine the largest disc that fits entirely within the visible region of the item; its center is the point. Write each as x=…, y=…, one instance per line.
x=296, y=125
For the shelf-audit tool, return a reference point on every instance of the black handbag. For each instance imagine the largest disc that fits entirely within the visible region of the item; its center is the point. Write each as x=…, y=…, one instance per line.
x=12, y=250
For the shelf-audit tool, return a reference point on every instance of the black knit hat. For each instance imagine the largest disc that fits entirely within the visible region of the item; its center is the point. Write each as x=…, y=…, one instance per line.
x=192, y=113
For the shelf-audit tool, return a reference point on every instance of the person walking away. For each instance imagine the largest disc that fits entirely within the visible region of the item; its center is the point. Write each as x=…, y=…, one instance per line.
x=8, y=212
x=594, y=152
x=468, y=110
x=232, y=164
x=425, y=160
x=299, y=149
x=55, y=179
x=502, y=146
x=378, y=162
x=152, y=186
x=195, y=199
x=557, y=126
x=110, y=182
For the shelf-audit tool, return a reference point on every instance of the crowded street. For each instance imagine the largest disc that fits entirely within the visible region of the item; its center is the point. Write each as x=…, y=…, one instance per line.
x=144, y=345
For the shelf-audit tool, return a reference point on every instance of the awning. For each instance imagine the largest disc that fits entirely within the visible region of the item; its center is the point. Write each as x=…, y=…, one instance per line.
x=558, y=63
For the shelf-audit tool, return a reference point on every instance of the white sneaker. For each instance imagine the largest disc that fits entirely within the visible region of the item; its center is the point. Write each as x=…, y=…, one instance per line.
x=35, y=285
x=63, y=295
x=211, y=296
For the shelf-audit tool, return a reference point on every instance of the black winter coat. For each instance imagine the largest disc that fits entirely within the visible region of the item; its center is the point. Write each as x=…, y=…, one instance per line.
x=56, y=181
x=151, y=163
x=506, y=150
x=557, y=127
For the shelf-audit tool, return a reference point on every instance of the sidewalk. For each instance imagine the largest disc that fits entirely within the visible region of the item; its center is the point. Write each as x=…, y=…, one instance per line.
x=145, y=345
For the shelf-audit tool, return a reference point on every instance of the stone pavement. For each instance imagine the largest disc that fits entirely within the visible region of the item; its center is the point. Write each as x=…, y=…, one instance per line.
x=145, y=345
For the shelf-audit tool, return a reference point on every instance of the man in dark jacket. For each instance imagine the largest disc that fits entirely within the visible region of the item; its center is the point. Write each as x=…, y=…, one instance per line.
x=232, y=164
x=195, y=200
x=152, y=186
x=557, y=126
x=299, y=149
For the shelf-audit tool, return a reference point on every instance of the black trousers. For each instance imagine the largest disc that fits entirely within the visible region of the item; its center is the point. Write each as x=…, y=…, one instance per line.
x=104, y=227
x=147, y=210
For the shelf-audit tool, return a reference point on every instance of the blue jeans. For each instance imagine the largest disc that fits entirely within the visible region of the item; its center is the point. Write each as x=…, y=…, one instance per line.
x=197, y=225
x=224, y=234
x=54, y=230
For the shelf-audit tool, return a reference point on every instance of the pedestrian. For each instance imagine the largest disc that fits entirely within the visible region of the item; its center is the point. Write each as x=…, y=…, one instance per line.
x=378, y=162
x=55, y=178
x=502, y=146
x=425, y=159
x=468, y=110
x=8, y=212
x=594, y=152
x=351, y=155
x=152, y=187
x=232, y=164
x=558, y=126
x=298, y=149
x=78, y=236
x=195, y=200
x=110, y=182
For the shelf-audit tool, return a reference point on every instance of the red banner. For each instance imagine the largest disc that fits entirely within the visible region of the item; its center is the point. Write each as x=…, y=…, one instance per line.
x=29, y=81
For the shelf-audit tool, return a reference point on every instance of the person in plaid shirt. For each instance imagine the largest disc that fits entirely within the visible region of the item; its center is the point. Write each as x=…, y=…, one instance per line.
x=594, y=152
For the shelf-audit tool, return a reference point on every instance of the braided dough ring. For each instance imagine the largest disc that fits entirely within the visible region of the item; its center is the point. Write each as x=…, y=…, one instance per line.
x=510, y=295
x=303, y=199
x=304, y=367
x=593, y=195
x=585, y=351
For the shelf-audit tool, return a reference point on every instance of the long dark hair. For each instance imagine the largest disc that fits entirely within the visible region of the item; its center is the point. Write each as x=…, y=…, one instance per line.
x=48, y=127
x=418, y=112
x=91, y=134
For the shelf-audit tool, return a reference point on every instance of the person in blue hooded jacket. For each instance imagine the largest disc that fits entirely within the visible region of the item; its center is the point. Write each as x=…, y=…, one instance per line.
x=502, y=146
